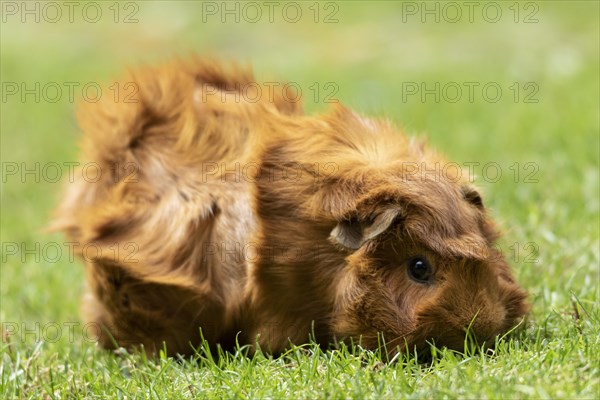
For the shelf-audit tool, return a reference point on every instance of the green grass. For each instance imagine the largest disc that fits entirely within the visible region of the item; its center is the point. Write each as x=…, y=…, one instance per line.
x=551, y=220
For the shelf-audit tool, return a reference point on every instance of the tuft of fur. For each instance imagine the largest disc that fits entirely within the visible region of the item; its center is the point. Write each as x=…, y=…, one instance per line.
x=219, y=206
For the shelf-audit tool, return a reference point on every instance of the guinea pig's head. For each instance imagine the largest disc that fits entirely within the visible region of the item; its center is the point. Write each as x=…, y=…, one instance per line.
x=422, y=267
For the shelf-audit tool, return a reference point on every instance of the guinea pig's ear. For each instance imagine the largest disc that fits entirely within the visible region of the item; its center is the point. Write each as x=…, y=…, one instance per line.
x=472, y=195
x=353, y=232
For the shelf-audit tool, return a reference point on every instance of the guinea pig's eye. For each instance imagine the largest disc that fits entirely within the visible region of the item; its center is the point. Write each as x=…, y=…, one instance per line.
x=419, y=269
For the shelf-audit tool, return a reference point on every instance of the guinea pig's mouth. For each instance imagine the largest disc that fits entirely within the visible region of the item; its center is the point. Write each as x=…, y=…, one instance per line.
x=428, y=350
x=439, y=329
x=429, y=339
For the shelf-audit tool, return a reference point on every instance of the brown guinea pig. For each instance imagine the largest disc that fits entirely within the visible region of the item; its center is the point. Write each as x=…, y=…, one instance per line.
x=206, y=202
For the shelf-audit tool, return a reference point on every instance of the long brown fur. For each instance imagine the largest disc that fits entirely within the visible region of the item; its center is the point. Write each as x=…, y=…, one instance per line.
x=220, y=206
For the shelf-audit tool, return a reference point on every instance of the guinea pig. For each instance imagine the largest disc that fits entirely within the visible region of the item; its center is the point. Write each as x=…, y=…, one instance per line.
x=208, y=206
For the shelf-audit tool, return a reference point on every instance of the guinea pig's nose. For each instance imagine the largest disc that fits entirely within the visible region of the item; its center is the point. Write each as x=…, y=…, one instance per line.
x=486, y=322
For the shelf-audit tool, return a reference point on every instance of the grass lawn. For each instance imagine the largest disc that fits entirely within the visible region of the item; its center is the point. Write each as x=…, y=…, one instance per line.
x=511, y=90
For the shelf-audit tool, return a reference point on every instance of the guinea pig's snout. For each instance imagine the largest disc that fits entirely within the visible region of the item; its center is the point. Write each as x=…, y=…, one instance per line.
x=479, y=323
x=452, y=327
x=469, y=309
x=484, y=321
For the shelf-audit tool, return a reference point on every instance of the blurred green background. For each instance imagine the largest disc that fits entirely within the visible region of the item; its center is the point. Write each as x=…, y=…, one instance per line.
x=373, y=52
